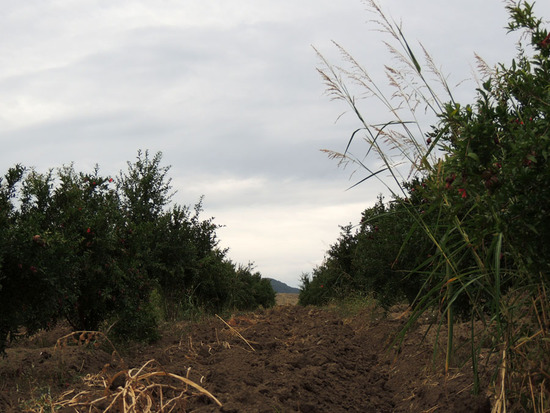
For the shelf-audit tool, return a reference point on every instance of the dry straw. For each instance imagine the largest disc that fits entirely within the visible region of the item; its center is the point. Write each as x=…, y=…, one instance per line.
x=236, y=332
x=146, y=389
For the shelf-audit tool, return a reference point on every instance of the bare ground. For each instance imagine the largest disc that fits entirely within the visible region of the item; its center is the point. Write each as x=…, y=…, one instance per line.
x=286, y=359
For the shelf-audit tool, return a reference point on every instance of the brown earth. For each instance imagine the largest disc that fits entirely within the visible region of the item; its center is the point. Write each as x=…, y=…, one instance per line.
x=286, y=359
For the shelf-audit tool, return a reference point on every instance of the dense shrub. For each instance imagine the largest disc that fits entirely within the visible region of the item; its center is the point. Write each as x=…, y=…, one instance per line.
x=249, y=290
x=369, y=260
x=27, y=296
x=487, y=190
x=498, y=151
x=477, y=203
x=93, y=250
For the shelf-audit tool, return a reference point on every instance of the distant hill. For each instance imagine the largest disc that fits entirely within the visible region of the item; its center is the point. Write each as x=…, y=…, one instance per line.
x=281, y=287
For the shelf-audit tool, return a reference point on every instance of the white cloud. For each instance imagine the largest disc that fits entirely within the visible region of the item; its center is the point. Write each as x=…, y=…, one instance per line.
x=286, y=241
x=229, y=93
x=283, y=226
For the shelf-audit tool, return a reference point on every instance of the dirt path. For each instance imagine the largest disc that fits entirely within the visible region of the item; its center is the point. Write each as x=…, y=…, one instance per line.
x=287, y=359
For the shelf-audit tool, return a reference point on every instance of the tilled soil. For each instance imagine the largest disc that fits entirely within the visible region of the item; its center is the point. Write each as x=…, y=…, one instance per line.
x=286, y=359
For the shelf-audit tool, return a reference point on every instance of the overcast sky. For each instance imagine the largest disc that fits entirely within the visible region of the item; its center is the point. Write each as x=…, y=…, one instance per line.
x=227, y=90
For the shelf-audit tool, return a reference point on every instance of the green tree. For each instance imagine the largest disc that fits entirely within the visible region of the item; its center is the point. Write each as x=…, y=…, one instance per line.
x=479, y=196
x=370, y=261
x=83, y=247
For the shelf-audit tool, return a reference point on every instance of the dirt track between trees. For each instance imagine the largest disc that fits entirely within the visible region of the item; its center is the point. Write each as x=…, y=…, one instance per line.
x=286, y=359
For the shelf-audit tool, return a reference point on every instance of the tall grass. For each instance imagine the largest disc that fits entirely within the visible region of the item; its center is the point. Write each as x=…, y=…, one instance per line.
x=480, y=263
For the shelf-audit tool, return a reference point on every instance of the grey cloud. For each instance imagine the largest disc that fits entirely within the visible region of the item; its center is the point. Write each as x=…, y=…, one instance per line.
x=229, y=94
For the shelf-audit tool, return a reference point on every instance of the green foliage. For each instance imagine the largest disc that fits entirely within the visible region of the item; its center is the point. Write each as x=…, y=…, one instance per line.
x=370, y=260
x=249, y=290
x=145, y=188
x=96, y=251
x=476, y=208
x=25, y=254
x=498, y=150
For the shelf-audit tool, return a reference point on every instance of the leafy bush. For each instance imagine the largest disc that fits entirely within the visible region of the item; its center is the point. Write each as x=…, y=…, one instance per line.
x=370, y=260
x=24, y=255
x=478, y=197
x=95, y=250
x=249, y=290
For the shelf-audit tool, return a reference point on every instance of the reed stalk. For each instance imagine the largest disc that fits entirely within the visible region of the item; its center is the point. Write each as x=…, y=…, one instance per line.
x=478, y=250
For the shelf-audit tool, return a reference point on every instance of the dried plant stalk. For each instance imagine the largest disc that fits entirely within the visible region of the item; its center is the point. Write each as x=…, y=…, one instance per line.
x=141, y=392
x=236, y=332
